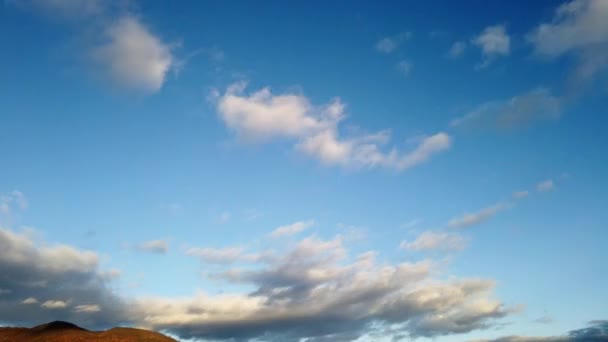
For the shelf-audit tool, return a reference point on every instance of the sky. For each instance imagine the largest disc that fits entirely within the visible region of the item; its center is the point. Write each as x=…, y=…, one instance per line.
x=310, y=171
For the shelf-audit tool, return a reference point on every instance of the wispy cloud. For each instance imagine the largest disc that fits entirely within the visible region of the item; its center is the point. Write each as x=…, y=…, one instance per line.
x=435, y=241
x=471, y=219
x=534, y=106
x=291, y=229
x=457, y=49
x=493, y=42
x=578, y=28
x=545, y=186
x=390, y=44
x=154, y=246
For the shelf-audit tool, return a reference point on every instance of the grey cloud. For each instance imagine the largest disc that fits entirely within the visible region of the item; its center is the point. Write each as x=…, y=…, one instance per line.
x=314, y=291
x=597, y=331
x=521, y=110
x=471, y=219
x=46, y=282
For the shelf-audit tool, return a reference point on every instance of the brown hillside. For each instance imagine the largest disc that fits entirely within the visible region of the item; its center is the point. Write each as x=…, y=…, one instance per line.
x=67, y=332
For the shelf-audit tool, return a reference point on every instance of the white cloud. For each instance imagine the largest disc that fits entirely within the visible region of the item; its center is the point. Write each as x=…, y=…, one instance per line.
x=545, y=186
x=54, y=304
x=471, y=219
x=520, y=194
x=217, y=255
x=154, y=246
x=263, y=116
x=87, y=308
x=30, y=300
x=435, y=241
x=315, y=290
x=521, y=110
x=404, y=67
x=493, y=42
x=457, y=49
x=225, y=217
x=12, y=200
x=291, y=229
x=133, y=57
x=579, y=27
x=390, y=44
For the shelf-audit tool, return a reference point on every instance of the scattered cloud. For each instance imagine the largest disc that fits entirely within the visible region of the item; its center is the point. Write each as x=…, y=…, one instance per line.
x=263, y=116
x=520, y=194
x=435, y=241
x=390, y=44
x=578, y=28
x=87, y=308
x=12, y=200
x=123, y=49
x=217, y=255
x=30, y=300
x=315, y=291
x=457, y=49
x=411, y=223
x=404, y=67
x=493, y=42
x=545, y=319
x=291, y=229
x=521, y=110
x=54, y=304
x=597, y=331
x=133, y=57
x=224, y=217
x=54, y=275
x=545, y=186
x=471, y=219
x=154, y=246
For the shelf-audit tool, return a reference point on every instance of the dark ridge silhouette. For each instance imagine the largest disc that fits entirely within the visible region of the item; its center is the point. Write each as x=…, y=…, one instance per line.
x=60, y=331
x=55, y=325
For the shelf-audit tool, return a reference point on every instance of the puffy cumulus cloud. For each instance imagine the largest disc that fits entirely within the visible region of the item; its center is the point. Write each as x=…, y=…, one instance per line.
x=545, y=186
x=134, y=57
x=579, y=27
x=471, y=219
x=54, y=304
x=122, y=49
x=154, y=246
x=47, y=282
x=493, y=42
x=390, y=44
x=597, y=331
x=521, y=110
x=263, y=116
x=435, y=241
x=291, y=229
x=315, y=291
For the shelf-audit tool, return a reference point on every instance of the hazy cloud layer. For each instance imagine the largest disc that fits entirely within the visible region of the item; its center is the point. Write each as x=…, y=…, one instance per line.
x=263, y=116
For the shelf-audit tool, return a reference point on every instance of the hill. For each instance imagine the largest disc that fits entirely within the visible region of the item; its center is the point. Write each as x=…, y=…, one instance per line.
x=59, y=331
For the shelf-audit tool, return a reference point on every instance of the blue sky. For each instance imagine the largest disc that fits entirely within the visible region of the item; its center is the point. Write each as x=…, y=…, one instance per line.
x=344, y=171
